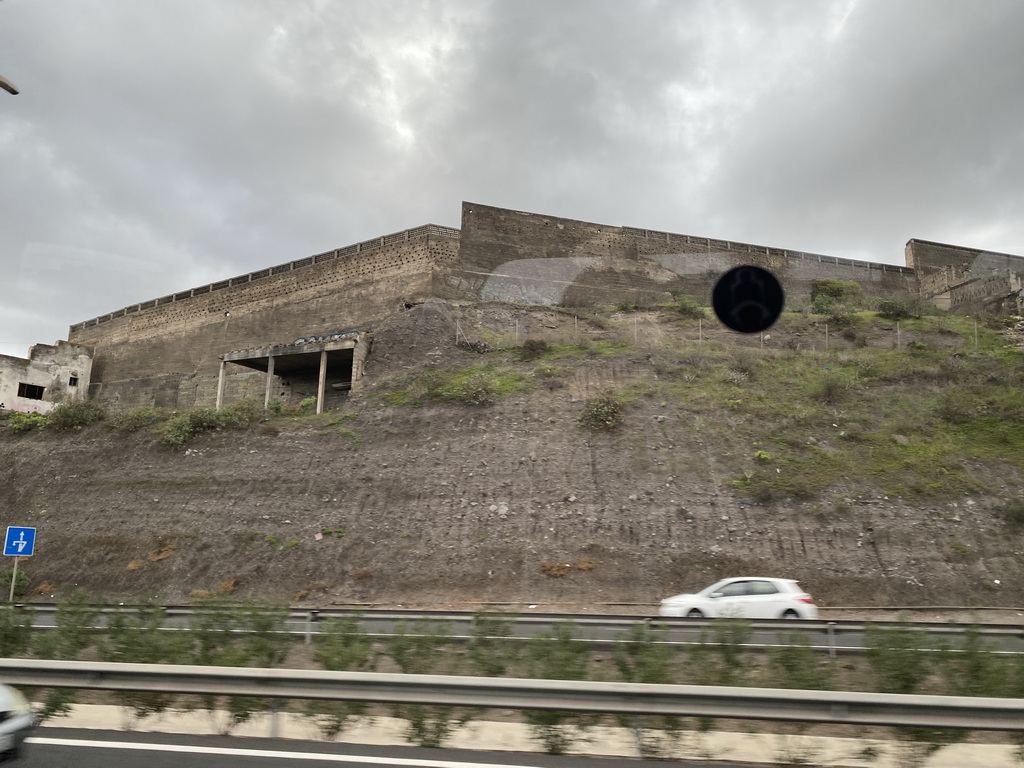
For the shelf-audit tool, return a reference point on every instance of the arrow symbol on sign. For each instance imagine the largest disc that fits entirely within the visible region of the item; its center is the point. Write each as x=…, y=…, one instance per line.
x=20, y=543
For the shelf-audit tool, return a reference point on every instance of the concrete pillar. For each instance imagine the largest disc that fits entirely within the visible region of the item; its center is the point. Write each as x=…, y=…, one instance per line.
x=270, y=378
x=322, y=385
x=220, y=385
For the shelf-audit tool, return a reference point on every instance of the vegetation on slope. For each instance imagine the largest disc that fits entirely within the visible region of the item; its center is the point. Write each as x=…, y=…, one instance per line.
x=909, y=410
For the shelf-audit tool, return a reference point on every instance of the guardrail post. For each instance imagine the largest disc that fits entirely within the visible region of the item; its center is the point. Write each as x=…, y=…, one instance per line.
x=831, y=639
x=310, y=621
x=275, y=710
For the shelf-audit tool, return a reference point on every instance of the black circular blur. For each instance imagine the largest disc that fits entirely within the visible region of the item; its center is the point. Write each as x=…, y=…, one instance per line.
x=748, y=299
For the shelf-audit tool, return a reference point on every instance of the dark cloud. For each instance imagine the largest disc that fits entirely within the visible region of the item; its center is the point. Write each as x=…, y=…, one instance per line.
x=156, y=147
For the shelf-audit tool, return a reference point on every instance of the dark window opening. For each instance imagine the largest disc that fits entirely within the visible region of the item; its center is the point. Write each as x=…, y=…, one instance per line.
x=30, y=391
x=72, y=381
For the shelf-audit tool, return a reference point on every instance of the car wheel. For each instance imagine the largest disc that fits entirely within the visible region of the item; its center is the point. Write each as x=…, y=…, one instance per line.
x=791, y=614
x=695, y=614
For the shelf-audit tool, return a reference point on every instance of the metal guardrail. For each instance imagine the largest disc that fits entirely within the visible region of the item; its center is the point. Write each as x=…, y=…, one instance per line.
x=513, y=693
x=833, y=637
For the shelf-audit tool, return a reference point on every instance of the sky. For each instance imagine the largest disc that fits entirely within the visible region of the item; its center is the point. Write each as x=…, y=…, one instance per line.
x=159, y=146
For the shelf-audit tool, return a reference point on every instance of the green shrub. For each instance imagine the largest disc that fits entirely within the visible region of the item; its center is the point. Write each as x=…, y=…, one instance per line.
x=845, y=292
x=533, y=349
x=20, y=586
x=74, y=414
x=1012, y=515
x=688, y=308
x=892, y=309
x=23, y=422
x=601, y=413
x=140, y=418
x=306, y=406
x=181, y=428
x=958, y=406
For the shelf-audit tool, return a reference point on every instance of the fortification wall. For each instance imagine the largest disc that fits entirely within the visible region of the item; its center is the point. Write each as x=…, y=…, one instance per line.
x=166, y=352
x=530, y=258
x=966, y=263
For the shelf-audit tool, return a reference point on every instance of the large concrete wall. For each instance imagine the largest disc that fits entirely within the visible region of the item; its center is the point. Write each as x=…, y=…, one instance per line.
x=530, y=258
x=166, y=352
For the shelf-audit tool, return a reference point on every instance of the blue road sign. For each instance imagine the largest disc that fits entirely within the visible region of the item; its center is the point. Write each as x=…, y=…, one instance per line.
x=20, y=541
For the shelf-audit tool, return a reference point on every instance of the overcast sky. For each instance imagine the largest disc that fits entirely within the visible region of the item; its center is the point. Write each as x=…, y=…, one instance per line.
x=157, y=146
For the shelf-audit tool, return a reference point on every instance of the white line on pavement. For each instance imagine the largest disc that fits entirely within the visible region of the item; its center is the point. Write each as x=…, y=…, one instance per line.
x=317, y=756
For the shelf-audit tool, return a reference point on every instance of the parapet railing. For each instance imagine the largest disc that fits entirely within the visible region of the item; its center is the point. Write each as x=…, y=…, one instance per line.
x=338, y=253
x=729, y=245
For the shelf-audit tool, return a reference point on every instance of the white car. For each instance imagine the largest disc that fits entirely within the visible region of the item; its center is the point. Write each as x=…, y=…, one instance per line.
x=750, y=597
x=16, y=721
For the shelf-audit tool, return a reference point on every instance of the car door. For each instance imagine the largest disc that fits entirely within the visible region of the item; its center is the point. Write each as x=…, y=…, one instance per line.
x=731, y=599
x=764, y=600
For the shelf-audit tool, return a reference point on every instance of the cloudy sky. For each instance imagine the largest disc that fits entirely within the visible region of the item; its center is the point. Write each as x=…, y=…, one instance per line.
x=157, y=146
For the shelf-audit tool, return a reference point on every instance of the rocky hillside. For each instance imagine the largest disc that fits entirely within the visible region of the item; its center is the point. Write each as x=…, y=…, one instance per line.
x=632, y=455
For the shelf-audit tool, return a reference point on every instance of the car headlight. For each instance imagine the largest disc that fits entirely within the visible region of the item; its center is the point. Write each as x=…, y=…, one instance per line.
x=19, y=704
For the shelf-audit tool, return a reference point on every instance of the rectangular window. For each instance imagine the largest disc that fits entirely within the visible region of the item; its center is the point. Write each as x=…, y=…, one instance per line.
x=30, y=391
x=72, y=381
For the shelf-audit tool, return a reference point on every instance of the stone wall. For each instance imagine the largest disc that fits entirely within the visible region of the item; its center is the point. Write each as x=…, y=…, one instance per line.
x=166, y=352
x=966, y=279
x=530, y=258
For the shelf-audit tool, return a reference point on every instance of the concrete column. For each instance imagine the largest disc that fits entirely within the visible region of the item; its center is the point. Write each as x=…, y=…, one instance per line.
x=220, y=385
x=270, y=377
x=322, y=385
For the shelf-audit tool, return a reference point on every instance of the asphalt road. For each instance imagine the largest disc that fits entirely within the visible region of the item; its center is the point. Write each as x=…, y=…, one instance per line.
x=70, y=748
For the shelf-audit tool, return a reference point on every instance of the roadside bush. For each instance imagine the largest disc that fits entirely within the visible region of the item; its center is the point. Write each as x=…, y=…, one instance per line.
x=601, y=413
x=74, y=415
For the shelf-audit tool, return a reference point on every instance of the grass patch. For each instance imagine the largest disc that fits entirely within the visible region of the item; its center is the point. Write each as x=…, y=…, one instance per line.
x=473, y=385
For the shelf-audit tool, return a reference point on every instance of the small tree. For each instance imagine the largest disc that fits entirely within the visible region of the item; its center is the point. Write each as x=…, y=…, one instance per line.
x=138, y=637
x=341, y=646
x=491, y=653
x=558, y=655
x=228, y=635
x=15, y=630
x=423, y=652
x=71, y=634
x=645, y=657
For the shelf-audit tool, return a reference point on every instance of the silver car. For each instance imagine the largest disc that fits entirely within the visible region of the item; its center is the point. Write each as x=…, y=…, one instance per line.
x=16, y=722
x=750, y=597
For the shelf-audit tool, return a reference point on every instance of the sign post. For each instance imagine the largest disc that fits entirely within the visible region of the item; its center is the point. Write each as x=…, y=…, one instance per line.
x=20, y=542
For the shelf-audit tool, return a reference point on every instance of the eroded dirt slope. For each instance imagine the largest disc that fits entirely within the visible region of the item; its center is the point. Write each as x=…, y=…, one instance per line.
x=450, y=503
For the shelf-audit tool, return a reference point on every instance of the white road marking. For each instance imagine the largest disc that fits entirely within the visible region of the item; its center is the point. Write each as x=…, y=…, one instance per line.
x=319, y=756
